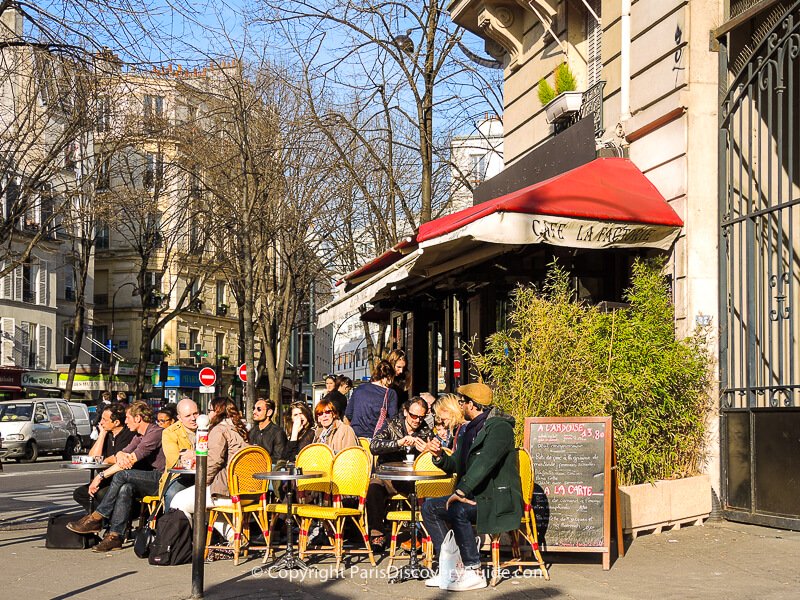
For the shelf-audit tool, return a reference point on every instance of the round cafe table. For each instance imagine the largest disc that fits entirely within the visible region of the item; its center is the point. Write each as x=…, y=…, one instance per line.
x=392, y=472
x=289, y=560
x=93, y=468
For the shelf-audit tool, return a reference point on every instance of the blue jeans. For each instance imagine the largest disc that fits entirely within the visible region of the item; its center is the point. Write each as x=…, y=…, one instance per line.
x=460, y=516
x=175, y=485
x=125, y=487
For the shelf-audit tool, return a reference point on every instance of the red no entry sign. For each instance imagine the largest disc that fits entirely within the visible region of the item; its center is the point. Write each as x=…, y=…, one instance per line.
x=242, y=372
x=207, y=376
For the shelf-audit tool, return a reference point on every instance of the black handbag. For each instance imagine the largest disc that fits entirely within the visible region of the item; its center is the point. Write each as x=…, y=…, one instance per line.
x=144, y=540
x=146, y=535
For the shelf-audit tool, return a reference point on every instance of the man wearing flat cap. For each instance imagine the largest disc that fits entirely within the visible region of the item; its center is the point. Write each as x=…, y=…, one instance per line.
x=488, y=490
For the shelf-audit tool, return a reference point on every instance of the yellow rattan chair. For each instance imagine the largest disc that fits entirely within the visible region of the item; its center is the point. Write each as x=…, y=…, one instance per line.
x=314, y=457
x=349, y=477
x=527, y=528
x=248, y=496
x=425, y=489
x=365, y=443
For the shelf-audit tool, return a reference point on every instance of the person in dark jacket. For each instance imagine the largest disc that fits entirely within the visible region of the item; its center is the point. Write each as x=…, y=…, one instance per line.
x=265, y=432
x=364, y=411
x=488, y=489
x=401, y=383
x=406, y=435
x=339, y=394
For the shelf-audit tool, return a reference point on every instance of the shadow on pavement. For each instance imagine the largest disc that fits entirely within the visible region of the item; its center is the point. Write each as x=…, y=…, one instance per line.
x=92, y=586
x=22, y=540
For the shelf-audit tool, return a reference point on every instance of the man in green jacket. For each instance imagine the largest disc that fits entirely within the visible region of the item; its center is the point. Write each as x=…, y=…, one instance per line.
x=488, y=490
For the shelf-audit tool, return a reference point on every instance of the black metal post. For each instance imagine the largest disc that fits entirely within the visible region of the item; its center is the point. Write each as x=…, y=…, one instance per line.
x=199, y=521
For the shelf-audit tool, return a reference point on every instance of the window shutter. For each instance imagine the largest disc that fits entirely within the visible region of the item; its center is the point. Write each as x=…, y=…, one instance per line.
x=6, y=284
x=6, y=341
x=18, y=283
x=42, y=354
x=22, y=344
x=594, y=36
x=43, y=276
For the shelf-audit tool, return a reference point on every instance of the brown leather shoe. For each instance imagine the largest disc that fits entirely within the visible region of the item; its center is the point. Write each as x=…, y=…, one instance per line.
x=91, y=523
x=112, y=541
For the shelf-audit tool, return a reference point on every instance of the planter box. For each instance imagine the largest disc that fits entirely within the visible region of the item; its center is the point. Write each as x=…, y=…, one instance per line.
x=665, y=504
x=563, y=105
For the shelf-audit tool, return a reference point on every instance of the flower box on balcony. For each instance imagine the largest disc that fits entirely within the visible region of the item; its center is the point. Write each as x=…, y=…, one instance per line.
x=563, y=106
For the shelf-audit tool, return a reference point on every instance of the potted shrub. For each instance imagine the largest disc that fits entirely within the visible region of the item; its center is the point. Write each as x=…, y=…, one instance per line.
x=562, y=100
x=560, y=357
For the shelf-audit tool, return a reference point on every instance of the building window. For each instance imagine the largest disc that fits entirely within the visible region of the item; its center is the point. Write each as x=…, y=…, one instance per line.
x=103, y=114
x=594, y=36
x=100, y=344
x=219, y=345
x=194, y=336
x=221, y=293
x=153, y=112
x=477, y=167
x=103, y=236
x=103, y=172
x=67, y=343
x=154, y=170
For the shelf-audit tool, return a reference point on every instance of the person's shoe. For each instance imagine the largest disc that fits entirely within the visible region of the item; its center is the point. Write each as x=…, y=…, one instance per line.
x=470, y=579
x=91, y=523
x=112, y=541
x=433, y=581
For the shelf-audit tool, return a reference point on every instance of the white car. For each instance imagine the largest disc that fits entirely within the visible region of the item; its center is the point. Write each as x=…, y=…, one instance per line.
x=83, y=423
x=37, y=426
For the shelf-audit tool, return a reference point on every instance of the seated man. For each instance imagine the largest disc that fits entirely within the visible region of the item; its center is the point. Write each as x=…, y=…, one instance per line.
x=265, y=432
x=406, y=434
x=488, y=490
x=176, y=440
x=136, y=474
x=114, y=436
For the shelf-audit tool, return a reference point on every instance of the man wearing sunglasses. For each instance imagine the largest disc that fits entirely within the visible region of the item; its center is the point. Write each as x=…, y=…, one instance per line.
x=488, y=490
x=265, y=432
x=406, y=435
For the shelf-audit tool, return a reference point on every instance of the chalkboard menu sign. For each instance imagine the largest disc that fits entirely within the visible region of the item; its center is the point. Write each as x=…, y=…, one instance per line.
x=572, y=482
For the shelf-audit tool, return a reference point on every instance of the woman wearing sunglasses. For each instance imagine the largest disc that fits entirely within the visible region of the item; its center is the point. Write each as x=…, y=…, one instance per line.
x=331, y=430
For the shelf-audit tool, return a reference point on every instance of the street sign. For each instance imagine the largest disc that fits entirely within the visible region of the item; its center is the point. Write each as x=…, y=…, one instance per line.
x=206, y=389
x=208, y=377
x=456, y=368
x=242, y=372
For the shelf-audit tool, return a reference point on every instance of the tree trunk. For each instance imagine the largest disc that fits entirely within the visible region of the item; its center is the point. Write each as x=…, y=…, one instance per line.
x=77, y=342
x=144, y=357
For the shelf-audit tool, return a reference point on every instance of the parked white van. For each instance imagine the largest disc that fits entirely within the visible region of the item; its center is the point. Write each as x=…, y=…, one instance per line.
x=37, y=426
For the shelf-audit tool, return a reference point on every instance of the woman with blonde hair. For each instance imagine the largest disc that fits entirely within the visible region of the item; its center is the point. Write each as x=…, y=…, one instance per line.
x=448, y=411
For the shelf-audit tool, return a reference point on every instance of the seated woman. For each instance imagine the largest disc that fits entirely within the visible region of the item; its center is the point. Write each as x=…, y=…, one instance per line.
x=406, y=434
x=166, y=415
x=301, y=433
x=331, y=430
x=227, y=435
x=448, y=411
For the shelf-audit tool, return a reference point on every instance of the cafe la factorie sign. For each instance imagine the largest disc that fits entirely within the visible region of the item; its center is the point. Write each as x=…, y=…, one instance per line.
x=523, y=228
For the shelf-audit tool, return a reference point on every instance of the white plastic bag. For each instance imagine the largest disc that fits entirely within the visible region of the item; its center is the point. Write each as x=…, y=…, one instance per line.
x=449, y=561
x=94, y=435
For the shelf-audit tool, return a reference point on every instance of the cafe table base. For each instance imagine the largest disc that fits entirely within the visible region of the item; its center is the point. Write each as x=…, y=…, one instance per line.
x=289, y=560
x=413, y=570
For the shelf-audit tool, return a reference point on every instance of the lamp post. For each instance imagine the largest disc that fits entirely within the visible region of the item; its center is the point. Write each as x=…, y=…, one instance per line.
x=333, y=341
x=354, y=357
x=135, y=292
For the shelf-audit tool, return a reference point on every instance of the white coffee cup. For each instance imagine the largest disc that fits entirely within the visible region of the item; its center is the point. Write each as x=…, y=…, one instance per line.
x=409, y=457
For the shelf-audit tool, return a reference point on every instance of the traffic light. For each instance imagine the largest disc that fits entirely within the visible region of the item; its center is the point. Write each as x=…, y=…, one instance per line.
x=199, y=354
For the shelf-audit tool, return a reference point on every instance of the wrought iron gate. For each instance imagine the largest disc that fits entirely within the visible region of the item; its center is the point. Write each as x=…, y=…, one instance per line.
x=759, y=174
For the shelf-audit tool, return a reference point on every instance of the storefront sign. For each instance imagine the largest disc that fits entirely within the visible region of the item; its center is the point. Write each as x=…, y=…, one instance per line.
x=40, y=379
x=179, y=377
x=10, y=377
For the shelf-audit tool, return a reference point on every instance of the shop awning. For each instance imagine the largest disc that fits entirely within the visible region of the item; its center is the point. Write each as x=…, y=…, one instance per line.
x=606, y=203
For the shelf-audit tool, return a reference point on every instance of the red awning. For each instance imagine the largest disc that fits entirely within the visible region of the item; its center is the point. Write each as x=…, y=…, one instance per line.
x=607, y=203
x=606, y=189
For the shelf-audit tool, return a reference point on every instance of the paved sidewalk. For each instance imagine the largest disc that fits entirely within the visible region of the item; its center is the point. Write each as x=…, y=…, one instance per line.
x=720, y=560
